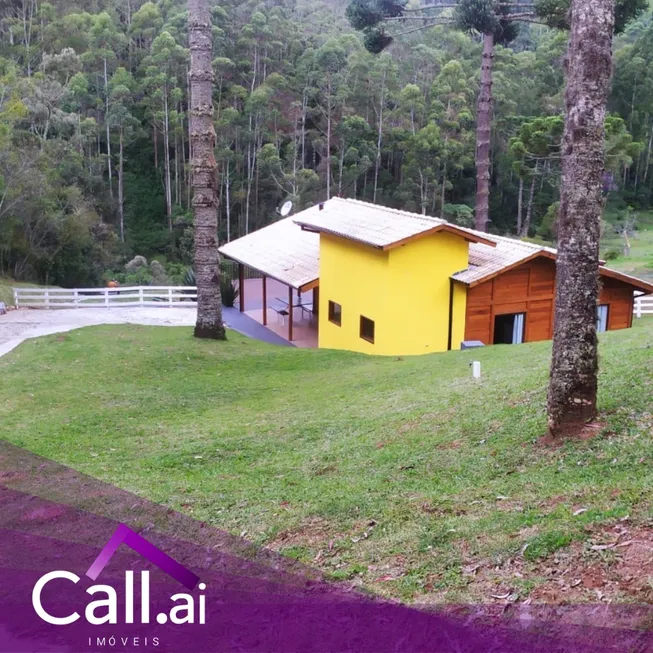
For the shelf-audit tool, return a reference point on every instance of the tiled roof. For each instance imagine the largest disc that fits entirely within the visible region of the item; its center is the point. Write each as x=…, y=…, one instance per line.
x=485, y=262
x=281, y=250
x=375, y=225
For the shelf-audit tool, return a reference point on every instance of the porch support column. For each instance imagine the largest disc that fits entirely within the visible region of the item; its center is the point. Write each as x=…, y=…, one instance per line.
x=265, y=300
x=316, y=300
x=290, y=303
x=241, y=286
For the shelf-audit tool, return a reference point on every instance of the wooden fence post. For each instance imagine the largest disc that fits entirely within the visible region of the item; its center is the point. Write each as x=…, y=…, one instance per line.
x=638, y=306
x=47, y=298
x=106, y=297
x=140, y=296
x=169, y=297
x=16, y=300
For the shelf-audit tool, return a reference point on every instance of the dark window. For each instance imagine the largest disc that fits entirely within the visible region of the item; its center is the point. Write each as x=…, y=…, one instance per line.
x=509, y=329
x=367, y=329
x=335, y=313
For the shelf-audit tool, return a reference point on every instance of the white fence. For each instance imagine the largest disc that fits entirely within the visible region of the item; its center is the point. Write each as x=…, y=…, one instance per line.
x=644, y=305
x=166, y=296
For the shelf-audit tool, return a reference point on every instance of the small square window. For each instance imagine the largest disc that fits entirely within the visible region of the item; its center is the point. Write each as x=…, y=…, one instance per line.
x=367, y=329
x=335, y=313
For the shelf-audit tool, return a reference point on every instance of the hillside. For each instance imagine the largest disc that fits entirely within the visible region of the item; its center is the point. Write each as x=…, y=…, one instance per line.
x=403, y=475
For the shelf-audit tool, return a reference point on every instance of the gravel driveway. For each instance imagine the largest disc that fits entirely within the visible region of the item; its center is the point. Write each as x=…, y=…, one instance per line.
x=22, y=324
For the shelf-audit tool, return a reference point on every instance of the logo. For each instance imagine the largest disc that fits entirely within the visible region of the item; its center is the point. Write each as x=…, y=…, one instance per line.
x=104, y=609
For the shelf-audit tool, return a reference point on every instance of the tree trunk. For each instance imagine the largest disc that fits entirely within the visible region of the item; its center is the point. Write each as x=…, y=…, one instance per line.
x=106, y=120
x=207, y=263
x=483, y=132
x=574, y=368
x=529, y=207
x=379, y=140
x=520, y=205
x=121, y=186
x=166, y=156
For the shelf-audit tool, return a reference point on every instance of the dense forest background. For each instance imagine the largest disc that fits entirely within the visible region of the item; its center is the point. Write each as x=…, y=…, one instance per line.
x=94, y=134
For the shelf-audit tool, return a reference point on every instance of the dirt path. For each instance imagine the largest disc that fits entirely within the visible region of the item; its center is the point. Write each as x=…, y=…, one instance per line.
x=22, y=324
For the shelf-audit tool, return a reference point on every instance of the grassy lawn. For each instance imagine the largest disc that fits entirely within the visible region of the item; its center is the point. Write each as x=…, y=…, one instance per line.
x=403, y=475
x=640, y=261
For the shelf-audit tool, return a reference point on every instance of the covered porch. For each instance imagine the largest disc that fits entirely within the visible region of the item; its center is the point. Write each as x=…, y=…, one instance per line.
x=284, y=310
x=278, y=280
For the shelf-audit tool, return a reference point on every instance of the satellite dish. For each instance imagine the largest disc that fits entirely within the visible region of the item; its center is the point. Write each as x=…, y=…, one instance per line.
x=285, y=209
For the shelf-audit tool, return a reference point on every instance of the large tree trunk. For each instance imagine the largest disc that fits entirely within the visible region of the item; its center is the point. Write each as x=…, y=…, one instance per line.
x=574, y=369
x=207, y=264
x=483, y=132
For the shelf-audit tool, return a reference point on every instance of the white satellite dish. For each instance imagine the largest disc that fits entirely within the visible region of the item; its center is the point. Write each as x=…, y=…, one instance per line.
x=285, y=209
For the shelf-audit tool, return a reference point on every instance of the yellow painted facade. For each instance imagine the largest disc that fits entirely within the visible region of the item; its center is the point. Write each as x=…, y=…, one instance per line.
x=405, y=291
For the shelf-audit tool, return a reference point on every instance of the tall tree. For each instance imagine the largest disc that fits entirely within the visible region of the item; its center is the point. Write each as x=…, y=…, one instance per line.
x=574, y=368
x=207, y=263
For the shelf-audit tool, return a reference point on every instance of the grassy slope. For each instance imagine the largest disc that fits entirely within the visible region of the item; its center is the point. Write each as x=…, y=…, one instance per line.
x=397, y=472
x=6, y=293
x=640, y=261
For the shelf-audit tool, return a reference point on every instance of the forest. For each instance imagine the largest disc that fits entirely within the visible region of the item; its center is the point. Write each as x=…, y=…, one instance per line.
x=95, y=140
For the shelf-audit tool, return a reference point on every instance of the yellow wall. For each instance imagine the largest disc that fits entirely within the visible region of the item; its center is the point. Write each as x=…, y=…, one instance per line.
x=405, y=291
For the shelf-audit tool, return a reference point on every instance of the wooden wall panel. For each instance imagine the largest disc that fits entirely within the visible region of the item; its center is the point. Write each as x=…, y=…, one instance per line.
x=538, y=320
x=619, y=298
x=511, y=286
x=530, y=288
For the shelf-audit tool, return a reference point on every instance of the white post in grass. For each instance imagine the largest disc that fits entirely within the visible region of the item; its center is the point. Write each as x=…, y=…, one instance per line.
x=47, y=298
x=638, y=306
x=476, y=369
x=76, y=297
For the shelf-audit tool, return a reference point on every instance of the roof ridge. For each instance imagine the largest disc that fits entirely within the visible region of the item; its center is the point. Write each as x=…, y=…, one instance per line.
x=389, y=209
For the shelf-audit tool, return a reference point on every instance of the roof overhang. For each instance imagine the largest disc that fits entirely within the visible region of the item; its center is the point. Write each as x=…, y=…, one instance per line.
x=308, y=285
x=638, y=284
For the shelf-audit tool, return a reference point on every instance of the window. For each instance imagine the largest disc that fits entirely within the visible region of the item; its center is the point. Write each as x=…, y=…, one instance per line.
x=602, y=318
x=509, y=329
x=367, y=329
x=335, y=313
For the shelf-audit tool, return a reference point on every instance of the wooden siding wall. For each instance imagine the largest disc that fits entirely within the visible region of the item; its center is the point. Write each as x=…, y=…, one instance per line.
x=530, y=289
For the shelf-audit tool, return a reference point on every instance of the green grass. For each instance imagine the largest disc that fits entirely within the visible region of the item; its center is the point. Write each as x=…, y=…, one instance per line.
x=397, y=472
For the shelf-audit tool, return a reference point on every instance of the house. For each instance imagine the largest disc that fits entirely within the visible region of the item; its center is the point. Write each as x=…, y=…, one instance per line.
x=367, y=278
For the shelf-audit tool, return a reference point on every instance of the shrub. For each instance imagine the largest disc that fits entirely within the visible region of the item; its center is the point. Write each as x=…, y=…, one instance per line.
x=136, y=263
x=612, y=254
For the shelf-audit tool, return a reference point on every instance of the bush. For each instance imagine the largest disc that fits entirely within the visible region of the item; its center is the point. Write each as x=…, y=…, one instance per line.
x=612, y=254
x=228, y=291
